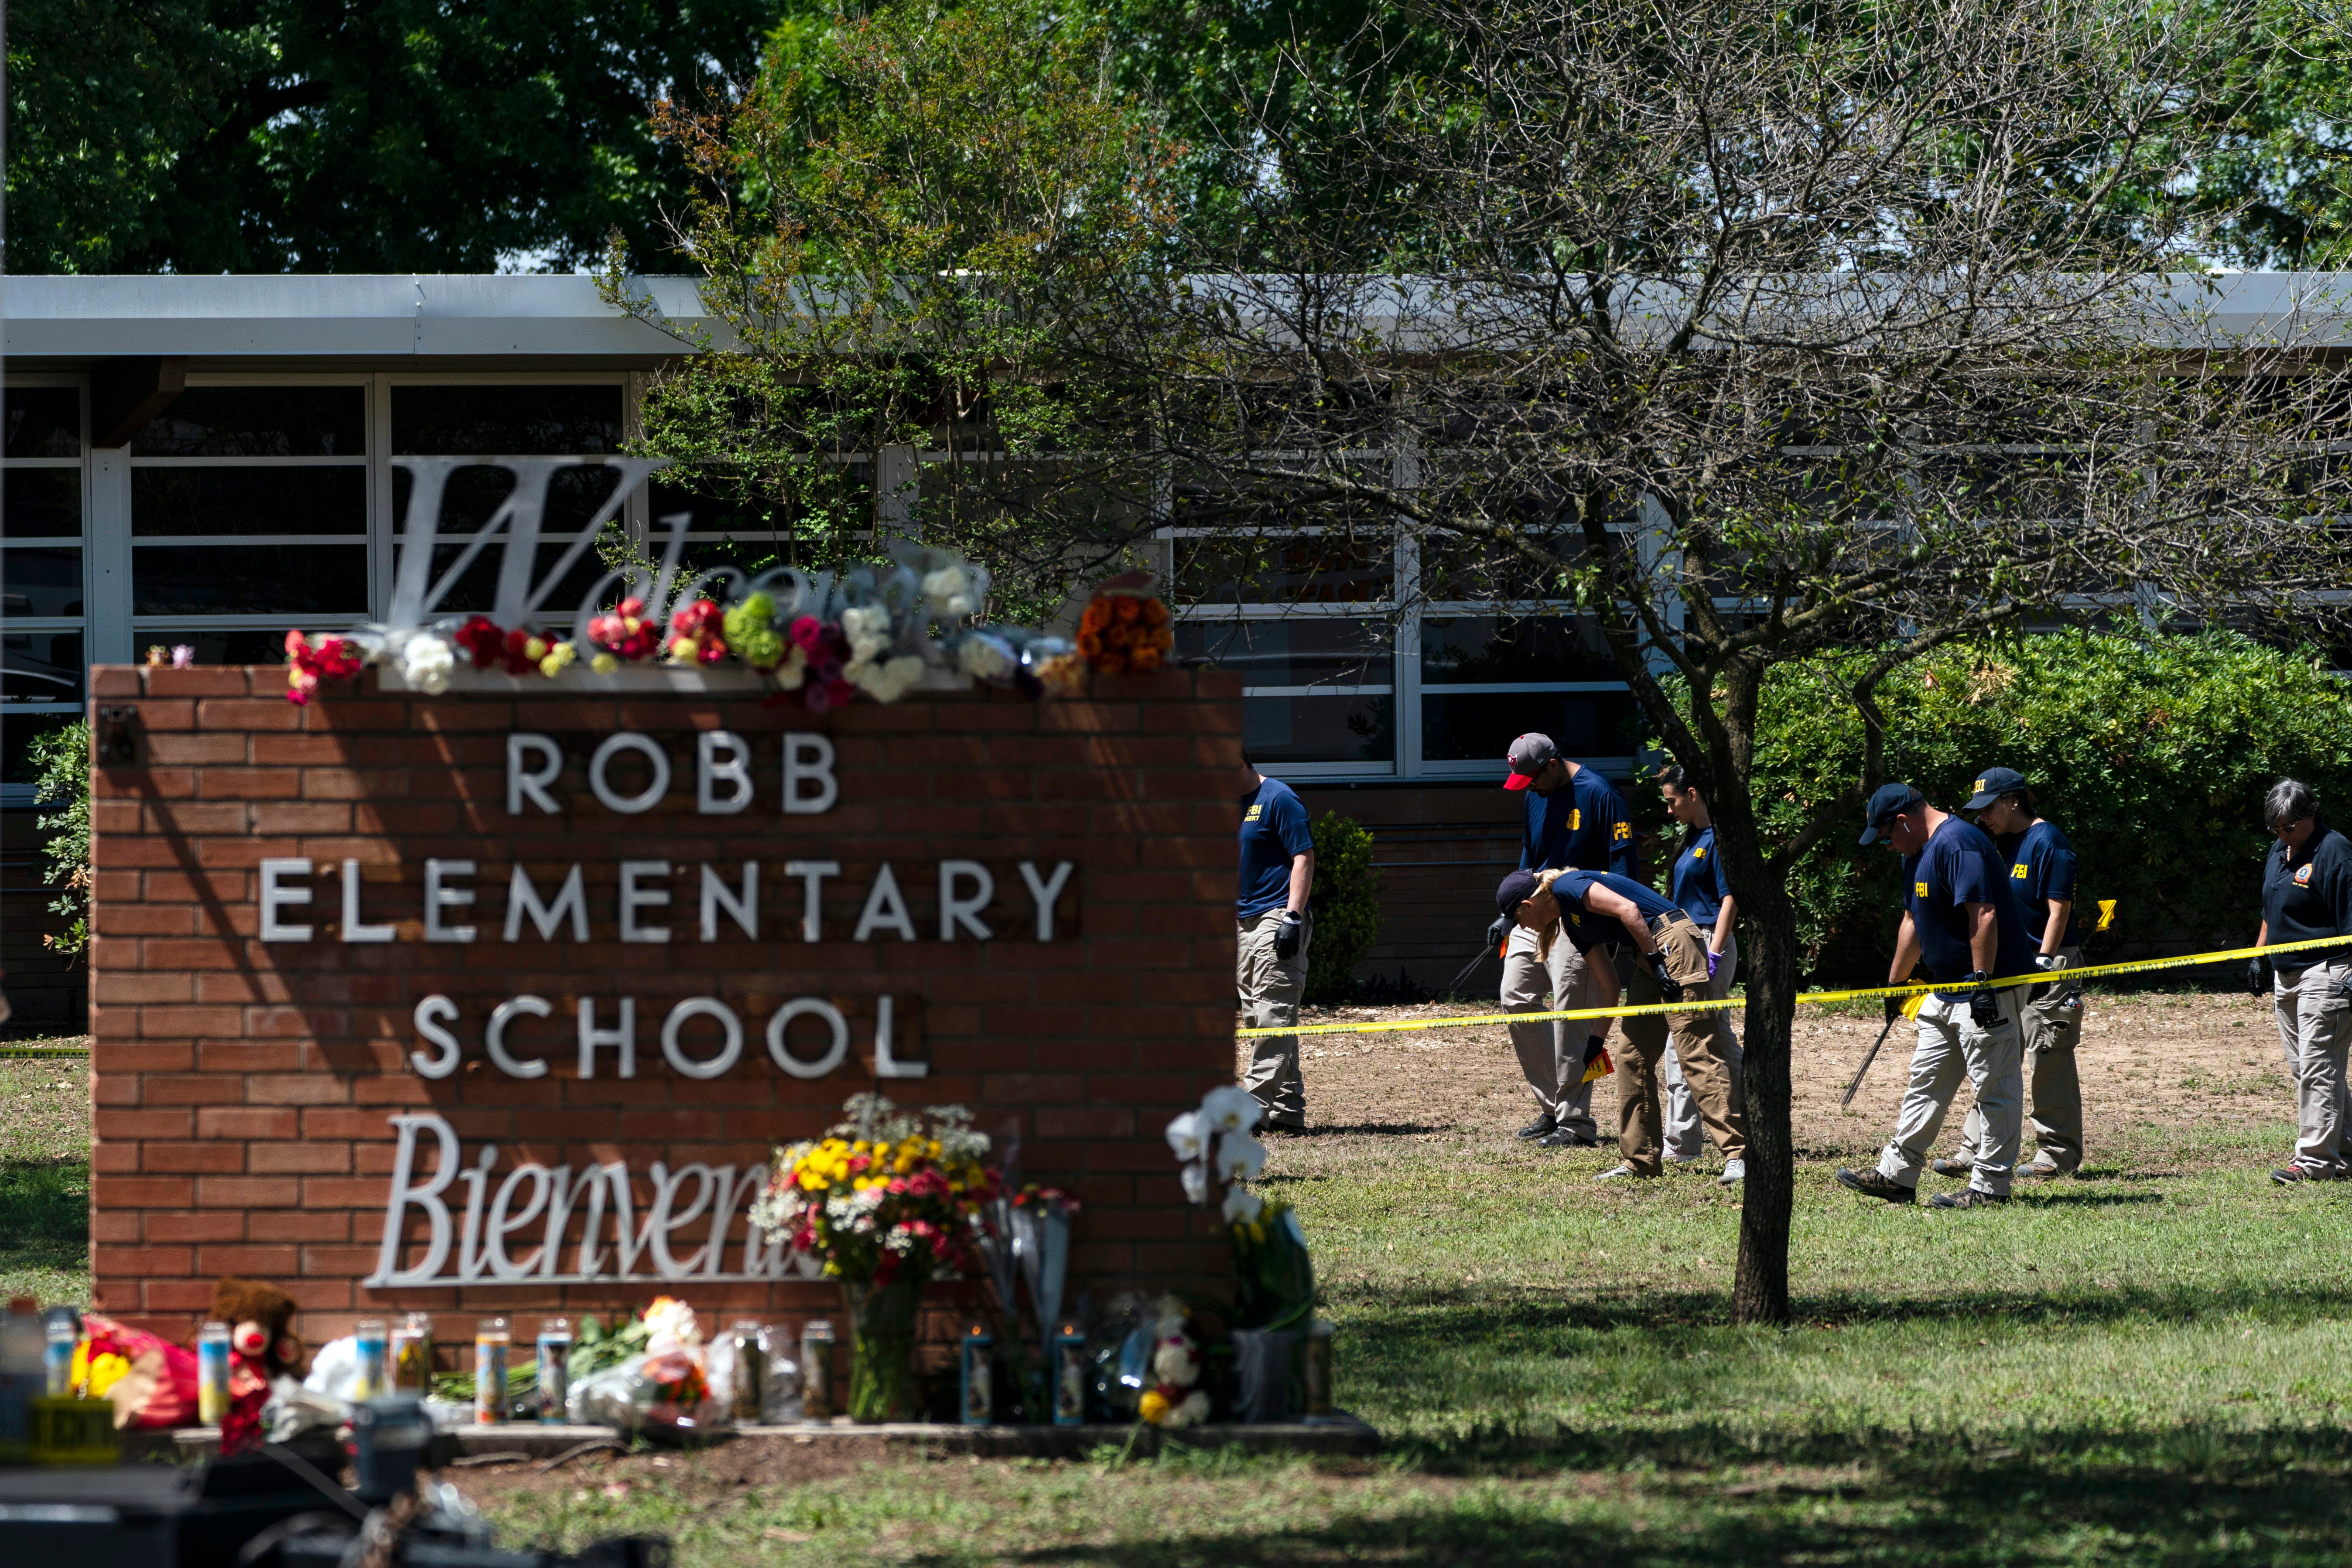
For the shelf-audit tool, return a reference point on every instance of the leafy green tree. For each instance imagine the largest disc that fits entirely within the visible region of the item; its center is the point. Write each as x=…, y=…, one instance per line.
x=61, y=760
x=900, y=225
x=348, y=135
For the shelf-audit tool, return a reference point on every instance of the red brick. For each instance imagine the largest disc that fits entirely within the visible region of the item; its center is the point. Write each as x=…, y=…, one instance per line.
x=201, y=1159
x=247, y=1192
x=242, y=1121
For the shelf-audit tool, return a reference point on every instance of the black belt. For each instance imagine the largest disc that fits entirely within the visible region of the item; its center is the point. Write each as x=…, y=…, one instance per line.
x=1658, y=923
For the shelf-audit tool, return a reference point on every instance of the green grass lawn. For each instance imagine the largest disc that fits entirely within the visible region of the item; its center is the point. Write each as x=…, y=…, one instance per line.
x=2148, y=1365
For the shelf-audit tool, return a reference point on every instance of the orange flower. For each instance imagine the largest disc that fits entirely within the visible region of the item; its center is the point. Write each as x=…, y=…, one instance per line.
x=1144, y=659
x=1127, y=608
x=1155, y=613
x=1090, y=643
x=1098, y=617
x=1163, y=640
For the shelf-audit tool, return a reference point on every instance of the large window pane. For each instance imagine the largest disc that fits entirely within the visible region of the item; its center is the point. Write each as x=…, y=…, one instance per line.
x=475, y=493
x=477, y=589
x=1300, y=569
x=1319, y=729
x=1479, y=726
x=40, y=667
x=42, y=421
x=1300, y=650
x=259, y=422
x=504, y=421
x=181, y=502
x=249, y=580
x=40, y=504
x=215, y=645
x=1472, y=650
x=45, y=582
x=1454, y=568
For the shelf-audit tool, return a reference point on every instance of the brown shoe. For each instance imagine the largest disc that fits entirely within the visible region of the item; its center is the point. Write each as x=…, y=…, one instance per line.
x=2041, y=1168
x=1968, y=1198
x=1953, y=1166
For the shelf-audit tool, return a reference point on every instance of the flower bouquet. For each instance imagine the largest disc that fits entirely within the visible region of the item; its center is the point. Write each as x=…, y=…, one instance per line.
x=1126, y=630
x=885, y=1201
x=661, y=1385
x=1172, y=1397
x=1274, y=1276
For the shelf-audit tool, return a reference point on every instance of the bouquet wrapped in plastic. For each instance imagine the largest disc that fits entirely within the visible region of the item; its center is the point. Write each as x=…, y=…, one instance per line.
x=662, y=1391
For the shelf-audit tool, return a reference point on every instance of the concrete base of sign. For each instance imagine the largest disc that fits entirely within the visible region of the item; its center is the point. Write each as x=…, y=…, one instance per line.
x=1339, y=1434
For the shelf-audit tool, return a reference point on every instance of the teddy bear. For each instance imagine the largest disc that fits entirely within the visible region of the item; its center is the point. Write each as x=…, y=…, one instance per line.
x=262, y=1348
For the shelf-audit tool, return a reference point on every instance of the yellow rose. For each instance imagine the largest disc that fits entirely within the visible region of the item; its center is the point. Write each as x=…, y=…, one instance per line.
x=604, y=664
x=1153, y=1407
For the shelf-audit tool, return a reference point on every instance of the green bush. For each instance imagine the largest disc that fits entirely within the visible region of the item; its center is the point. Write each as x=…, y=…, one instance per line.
x=1347, y=904
x=61, y=760
x=2151, y=753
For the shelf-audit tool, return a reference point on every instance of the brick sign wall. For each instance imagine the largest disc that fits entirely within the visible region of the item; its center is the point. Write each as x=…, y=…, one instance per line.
x=463, y=960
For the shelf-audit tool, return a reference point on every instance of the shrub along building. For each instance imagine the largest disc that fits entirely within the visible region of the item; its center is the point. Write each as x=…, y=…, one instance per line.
x=205, y=461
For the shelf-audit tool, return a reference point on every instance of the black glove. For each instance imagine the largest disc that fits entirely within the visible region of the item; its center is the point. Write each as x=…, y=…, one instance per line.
x=1287, y=934
x=1983, y=1005
x=1895, y=1005
x=1669, y=988
x=2258, y=975
x=1500, y=931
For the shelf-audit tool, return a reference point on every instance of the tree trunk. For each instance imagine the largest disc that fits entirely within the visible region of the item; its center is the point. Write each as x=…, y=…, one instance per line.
x=1760, y=1287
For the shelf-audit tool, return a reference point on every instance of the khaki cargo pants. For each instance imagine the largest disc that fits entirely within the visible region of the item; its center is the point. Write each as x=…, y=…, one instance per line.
x=1551, y=1056
x=1270, y=988
x=2314, y=1025
x=1696, y=1044
x=1686, y=1134
x=2052, y=1022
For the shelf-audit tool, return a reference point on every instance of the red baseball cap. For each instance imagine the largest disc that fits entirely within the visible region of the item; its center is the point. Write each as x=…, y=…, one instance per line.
x=1528, y=753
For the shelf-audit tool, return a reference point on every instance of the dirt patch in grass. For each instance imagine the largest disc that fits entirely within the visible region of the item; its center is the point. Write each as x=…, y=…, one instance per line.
x=2183, y=1062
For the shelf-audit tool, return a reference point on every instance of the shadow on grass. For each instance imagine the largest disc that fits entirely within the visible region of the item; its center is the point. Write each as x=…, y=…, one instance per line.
x=2195, y=1495
x=44, y=1213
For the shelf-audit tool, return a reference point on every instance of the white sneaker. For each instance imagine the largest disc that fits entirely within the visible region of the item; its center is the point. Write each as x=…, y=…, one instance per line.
x=1733, y=1172
x=1615, y=1173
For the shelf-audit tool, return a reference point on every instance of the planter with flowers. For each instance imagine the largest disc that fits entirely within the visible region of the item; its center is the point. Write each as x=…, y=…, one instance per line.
x=885, y=1201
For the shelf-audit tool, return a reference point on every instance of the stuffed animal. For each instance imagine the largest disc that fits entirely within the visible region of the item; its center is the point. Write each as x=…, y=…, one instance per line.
x=262, y=1348
x=261, y=1318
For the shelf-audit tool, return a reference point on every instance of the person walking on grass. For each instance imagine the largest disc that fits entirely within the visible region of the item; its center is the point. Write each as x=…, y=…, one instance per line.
x=1960, y=916
x=1274, y=929
x=2041, y=874
x=2306, y=897
x=1574, y=818
x=1666, y=962
x=1699, y=889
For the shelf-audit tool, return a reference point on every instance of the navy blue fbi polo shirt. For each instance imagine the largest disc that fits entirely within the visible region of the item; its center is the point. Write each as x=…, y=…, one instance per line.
x=2041, y=872
x=1587, y=930
x=1273, y=831
x=1697, y=884
x=2307, y=899
x=1961, y=867
x=1583, y=825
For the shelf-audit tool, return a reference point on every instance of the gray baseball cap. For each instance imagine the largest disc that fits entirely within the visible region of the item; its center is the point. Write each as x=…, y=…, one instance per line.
x=1528, y=753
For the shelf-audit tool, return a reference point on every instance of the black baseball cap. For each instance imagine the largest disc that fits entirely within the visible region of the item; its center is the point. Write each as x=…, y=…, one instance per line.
x=1516, y=890
x=1891, y=802
x=1992, y=784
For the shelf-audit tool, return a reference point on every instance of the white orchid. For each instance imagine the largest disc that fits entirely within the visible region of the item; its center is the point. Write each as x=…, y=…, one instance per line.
x=1240, y=1158
x=426, y=661
x=1229, y=1108
x=1196, y=1183
x=1243, y=1206
x=1188, y=1137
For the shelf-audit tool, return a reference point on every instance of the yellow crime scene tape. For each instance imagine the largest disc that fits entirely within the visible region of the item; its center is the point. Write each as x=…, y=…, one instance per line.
x=1809, y=998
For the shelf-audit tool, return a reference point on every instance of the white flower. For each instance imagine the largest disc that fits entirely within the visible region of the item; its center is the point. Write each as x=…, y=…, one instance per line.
x=1243, y=1206
x=1192, y=1412
x=426, y=662
x=1173, y=1363
x=985, y=658
x=1187, y=1137
x=1240, y=1158
x=793, y=671
x=948, y=591
x=886, y=682
x=1229, y=1108
x=1196, y=1183
x=868, y=628
x=671, y=1326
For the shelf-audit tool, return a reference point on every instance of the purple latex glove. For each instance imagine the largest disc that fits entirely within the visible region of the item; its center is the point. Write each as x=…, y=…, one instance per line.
x=1714, y=962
